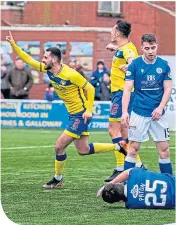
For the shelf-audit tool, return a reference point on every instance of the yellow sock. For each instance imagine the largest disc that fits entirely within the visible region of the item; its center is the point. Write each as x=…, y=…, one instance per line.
x=138, y=158
x=120, y=158
x=103, y=147
x=60, y=164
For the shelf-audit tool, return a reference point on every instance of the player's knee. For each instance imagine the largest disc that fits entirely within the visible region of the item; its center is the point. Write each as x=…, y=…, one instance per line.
x=164, y=151
x=58, y=149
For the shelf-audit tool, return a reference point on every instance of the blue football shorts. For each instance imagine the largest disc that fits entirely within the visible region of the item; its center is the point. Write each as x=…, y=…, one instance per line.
x=116, y=106
x=76, y=126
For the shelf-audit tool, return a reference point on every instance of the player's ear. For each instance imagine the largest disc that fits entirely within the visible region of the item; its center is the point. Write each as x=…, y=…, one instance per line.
x=54, y=59
x=117, y=34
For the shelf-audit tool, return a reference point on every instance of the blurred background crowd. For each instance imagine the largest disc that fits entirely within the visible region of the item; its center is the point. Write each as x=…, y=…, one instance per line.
x=17, y=80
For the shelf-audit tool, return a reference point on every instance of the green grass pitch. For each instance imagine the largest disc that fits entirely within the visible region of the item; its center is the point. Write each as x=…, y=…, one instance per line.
x=28, y=162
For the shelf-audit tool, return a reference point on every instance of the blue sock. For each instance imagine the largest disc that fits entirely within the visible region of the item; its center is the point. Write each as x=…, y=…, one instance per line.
x=116, y=140
x=129, y=162
x=165, y=166
x=91, y=151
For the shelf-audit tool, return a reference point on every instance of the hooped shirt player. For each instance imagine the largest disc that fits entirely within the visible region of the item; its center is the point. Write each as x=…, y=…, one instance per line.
x=69, y=85
x=121, y=57
x=149, y=90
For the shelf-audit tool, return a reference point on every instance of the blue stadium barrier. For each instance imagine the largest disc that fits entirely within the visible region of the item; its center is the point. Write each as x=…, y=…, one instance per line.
x=44, y=114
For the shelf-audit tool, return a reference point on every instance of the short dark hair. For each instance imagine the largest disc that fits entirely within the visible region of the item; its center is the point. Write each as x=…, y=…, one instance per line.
x=113, y=193
x=55, y=52
x=124, y=27
x=150, y=38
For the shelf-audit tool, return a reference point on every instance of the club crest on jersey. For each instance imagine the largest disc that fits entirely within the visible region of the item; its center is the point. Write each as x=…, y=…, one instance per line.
x=63, y=82
x=159, y=70
x=128, y=73
x=142, y=70
x=135, y=191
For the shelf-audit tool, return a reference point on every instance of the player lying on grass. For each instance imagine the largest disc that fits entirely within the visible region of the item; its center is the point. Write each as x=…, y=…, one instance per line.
x=143, y=189
x=70, y=86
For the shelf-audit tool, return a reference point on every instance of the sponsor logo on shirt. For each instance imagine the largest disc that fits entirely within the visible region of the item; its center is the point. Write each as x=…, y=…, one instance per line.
x=63, y=82
x=135, y=191
x=138, y=191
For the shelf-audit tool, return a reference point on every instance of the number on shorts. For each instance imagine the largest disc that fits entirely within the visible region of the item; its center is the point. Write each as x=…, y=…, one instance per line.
x=166, y=132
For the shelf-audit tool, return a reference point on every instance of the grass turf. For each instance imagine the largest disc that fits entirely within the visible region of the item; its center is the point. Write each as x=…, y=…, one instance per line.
x=25, y=169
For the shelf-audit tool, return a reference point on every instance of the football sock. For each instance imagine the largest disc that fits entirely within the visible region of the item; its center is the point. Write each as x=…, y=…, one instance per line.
x=138, y=164
x=101, y=147
x=129, y=162
x=59, y=165
x=119, y=156
x=165, y=166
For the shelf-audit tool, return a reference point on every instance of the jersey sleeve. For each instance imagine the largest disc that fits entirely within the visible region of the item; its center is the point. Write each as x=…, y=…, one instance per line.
x=129, y=53
x=130, y=73
x=168, y=73
x=27, y=58
x=78, y=79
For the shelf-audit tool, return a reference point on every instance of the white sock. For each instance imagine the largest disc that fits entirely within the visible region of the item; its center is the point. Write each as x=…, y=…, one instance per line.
x=58, y=177
x=139, y=164
x=119, y=168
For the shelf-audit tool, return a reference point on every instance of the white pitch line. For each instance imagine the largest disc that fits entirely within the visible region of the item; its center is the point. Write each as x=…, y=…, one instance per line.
x=52, y=146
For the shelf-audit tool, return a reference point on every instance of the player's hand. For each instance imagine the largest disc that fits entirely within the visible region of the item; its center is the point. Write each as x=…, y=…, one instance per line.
x=123, y=67
x=157, y=113
x=86, y=116
x=10, y=37
x=99, y=193
x=111, y=47
x=125, y=119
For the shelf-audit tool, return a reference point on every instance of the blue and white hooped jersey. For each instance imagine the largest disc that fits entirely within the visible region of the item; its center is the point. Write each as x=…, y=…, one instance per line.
x=147, y=189
x=148, y=84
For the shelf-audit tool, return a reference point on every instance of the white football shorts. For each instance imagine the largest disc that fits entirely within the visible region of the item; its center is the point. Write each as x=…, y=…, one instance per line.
x=140, y=126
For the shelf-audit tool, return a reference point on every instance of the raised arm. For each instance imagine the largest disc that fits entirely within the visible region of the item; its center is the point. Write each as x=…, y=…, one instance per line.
x=24, y=56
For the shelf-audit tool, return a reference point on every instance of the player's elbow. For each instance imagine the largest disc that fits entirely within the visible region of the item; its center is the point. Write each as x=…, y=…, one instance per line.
x=90, y=88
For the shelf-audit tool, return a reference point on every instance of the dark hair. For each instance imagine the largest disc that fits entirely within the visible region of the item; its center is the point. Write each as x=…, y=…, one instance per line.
x=113, y=193
x=124, y=27
x=100, y=62
x=150, y=38
x=55, y=52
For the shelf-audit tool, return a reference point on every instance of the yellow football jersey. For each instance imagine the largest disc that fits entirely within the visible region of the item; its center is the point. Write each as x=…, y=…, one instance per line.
x=68, y=83
x=120, y=58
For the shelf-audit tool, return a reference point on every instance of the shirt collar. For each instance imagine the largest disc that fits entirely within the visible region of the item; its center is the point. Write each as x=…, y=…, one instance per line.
x=147, y=62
